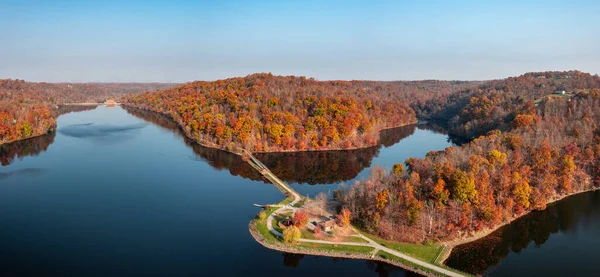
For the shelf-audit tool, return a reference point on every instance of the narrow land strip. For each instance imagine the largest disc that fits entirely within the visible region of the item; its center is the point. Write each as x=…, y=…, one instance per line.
x=377, y=248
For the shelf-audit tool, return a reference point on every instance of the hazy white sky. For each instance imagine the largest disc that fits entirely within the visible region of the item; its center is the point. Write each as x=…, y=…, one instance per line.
x=180, y=41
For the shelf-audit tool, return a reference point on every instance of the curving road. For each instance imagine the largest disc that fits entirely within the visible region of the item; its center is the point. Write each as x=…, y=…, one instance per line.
x=370, y=243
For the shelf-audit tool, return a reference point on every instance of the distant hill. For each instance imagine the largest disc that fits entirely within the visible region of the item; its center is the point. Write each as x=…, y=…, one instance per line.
x=30, y=109
x=494, y=104
x=262, y=112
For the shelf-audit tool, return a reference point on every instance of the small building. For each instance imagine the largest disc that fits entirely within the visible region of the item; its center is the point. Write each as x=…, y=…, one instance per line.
x=111, y=103
x=286, y=222
x=560, y=92
x=328, y=225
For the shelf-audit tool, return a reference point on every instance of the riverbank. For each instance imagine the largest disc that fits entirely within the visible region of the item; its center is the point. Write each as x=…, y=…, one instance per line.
x=30, y=137
x=483, y=233
x=57, y=110
x=264, y=232
x=252, y=226
x=215, y=146
x=370, y=249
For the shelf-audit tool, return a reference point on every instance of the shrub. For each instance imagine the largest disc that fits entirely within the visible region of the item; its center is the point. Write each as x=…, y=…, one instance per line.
x=262, y=215
x=300, y=218
x=430, y=242
x=344, y=217
x=317, y=230
x=291, y=234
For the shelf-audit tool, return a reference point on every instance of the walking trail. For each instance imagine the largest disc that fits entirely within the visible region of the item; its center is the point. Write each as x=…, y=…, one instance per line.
x=370, y=243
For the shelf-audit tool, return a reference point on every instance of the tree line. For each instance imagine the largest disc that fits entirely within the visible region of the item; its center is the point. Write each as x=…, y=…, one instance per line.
x=266, y=113
x=543, y=153
x=30, y=109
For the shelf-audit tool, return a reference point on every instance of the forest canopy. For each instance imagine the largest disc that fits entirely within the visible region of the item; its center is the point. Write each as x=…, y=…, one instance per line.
x=30, y=109
x=266, y=113
x=536, y=146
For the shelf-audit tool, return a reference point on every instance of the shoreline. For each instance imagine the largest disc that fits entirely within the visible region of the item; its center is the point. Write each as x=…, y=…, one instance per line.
x=450, y=245
x=30, y=137
x=211, y=145
x=334, y=254
x=53, y=128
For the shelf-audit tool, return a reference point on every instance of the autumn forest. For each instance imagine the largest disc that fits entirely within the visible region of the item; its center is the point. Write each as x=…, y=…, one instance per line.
x=30, y=109
x=528, y=144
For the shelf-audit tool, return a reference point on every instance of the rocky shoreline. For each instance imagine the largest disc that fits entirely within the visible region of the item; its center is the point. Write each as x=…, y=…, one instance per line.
x=295, y=250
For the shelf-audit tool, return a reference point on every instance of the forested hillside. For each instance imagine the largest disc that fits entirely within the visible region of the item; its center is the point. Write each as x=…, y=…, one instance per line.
x=494, y=104
x=546, y=152
x=262, y=112
x=29, y=109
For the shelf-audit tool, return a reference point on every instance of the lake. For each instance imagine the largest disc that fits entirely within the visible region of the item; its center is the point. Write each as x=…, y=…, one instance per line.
x=562, y=240
x=122, y=192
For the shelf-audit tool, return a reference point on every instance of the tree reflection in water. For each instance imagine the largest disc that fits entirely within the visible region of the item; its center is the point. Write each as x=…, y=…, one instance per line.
x=23, y=148
x=317, y=167
x=567, y=216
x=291, y=260
x=36, y=145
x=440, y=127
x=382, y=269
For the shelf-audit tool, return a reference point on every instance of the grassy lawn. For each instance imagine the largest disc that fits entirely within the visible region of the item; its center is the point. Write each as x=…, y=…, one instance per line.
x=276, y=226
x=278, y=218
x=427, y=253
x=537, y=101
x=300, y=203
x=410, y=249
x=261, y=226
x=333, y=247
x=307, y=234
x=286, y=201
x=354, y=239
x=391, y=257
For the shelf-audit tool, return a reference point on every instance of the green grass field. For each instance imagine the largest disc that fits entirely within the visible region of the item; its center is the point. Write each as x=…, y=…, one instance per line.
x=333, y=247
x=427, y=253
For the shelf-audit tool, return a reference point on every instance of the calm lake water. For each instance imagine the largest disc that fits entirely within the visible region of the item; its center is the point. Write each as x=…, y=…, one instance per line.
x=562, y=240
x=116, y=192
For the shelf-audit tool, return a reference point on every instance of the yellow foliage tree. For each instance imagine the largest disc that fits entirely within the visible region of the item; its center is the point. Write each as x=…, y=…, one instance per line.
x=291, y=234
x=398, y=169
x=521, y=190
x=496, y=157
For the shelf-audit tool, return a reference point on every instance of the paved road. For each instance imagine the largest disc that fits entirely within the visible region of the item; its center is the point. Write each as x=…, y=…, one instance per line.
x=369, y=243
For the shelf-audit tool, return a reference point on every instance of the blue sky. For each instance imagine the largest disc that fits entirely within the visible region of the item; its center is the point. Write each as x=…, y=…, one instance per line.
x=179, y=41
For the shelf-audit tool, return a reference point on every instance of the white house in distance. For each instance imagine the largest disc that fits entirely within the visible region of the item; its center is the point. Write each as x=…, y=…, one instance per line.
x=560, y=91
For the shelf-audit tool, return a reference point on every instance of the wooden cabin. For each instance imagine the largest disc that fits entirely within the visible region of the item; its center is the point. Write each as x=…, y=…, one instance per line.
x=328, y=225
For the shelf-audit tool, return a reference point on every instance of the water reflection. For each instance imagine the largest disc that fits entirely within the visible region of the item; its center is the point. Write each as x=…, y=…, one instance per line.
x=87, y=130
x=23, y=148
x=317, y=167
x=73, y=109
x=25, y=171
x=382, y=269
x=33, y=146
x=216, y=158
x=576, y=218
x=291, y=260
x=440, y=127
x=328, y=167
